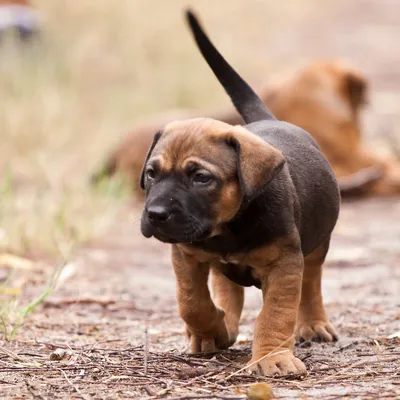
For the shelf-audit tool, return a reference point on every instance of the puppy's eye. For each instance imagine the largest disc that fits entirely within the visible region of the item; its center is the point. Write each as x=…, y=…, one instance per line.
x=150, y=173
x=202, y=178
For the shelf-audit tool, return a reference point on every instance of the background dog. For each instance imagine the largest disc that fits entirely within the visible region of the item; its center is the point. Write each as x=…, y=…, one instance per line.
x=256, y=205
x=324, y=98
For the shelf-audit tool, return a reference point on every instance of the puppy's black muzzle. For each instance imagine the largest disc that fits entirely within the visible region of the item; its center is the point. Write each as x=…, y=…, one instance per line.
x=158, y=215
x=170, y=225
x=173, y=215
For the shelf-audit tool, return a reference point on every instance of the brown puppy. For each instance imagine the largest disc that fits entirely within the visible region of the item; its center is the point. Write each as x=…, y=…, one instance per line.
x=252, y=205
x=324, y=98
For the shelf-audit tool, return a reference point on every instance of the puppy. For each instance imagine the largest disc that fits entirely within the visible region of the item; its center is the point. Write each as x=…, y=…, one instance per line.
x=324, y=98
x=252, y=205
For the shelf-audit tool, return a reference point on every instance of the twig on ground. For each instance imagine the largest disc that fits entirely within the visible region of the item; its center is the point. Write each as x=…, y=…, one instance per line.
x=146, y=350
x=356, y=364
x=150, y=391
x=31, y=390
x=77, y=390
x=66, y=301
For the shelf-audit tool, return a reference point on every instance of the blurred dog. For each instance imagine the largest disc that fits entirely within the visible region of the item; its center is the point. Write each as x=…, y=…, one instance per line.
x=19, y=16
x=252, y=205
x=324, y=98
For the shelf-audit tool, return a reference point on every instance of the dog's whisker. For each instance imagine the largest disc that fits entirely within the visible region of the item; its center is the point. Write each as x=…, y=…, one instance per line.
x=196, y=228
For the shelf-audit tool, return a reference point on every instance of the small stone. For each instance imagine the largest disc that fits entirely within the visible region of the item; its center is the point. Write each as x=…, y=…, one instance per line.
x=59, y=354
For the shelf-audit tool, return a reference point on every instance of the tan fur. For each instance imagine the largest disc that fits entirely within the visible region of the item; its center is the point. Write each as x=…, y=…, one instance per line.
x=229, y=202
x=205, y=322
x=279, y=266
x=312, y=322
x=230, y=298
x=324, y=98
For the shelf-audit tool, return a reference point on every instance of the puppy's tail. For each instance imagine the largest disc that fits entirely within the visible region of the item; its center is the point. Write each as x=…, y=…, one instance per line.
x=245, y=100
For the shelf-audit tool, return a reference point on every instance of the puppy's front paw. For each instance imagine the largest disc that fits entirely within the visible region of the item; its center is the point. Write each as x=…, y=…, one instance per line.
x=209, y=342
x=280, y=364
x=316, y=331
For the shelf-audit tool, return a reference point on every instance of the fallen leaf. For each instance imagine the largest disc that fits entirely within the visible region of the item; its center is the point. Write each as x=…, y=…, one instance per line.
x=260, y=391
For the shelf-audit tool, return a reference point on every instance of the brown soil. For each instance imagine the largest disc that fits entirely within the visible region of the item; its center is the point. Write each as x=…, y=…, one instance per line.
x=124, y=285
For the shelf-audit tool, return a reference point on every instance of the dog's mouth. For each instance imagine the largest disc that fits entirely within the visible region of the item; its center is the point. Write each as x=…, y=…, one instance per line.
x=174, y=232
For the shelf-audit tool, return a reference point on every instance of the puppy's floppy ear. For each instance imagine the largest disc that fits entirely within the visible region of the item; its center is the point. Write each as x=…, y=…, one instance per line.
x=142, y=175
x=257, y=161
x=356, y=89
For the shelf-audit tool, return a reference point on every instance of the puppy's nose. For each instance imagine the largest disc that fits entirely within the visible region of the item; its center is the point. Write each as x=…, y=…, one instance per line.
x=158, y=214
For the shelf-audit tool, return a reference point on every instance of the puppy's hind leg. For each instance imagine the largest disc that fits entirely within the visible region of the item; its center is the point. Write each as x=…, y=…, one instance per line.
x=230, y=297
x=312, y=322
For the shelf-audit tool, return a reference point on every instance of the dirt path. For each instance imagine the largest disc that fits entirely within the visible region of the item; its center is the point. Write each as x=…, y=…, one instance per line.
x=133, y=277
x=123, y=283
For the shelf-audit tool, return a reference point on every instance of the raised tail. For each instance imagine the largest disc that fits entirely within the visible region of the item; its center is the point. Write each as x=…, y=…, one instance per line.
x=243, y=97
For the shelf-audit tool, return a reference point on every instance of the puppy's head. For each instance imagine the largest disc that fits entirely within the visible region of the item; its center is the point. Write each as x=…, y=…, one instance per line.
x=325, y=99
x=335, y=84
x=196, y=176
x=349, y=83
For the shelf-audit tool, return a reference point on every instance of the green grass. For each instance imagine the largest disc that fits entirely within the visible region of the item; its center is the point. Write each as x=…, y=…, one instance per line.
x=13, y=315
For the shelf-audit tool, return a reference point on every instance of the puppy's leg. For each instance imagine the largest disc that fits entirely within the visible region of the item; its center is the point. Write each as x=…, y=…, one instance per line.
x=274, y=332
x=230, y=297
x=205, y=322
x=313, y=323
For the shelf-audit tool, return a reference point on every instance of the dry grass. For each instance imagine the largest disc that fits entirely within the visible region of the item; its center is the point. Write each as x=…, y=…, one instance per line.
x=67, y=101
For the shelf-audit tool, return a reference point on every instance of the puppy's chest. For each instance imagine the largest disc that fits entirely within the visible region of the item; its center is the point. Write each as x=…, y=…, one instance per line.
x=238, y=259
x=239, y=272
x=257, y=258
x=236, y=267
x=243, y=268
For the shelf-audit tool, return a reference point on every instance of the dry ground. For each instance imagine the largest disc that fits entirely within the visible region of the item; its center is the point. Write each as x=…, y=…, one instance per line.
x=99, y=68
x=125, y=284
